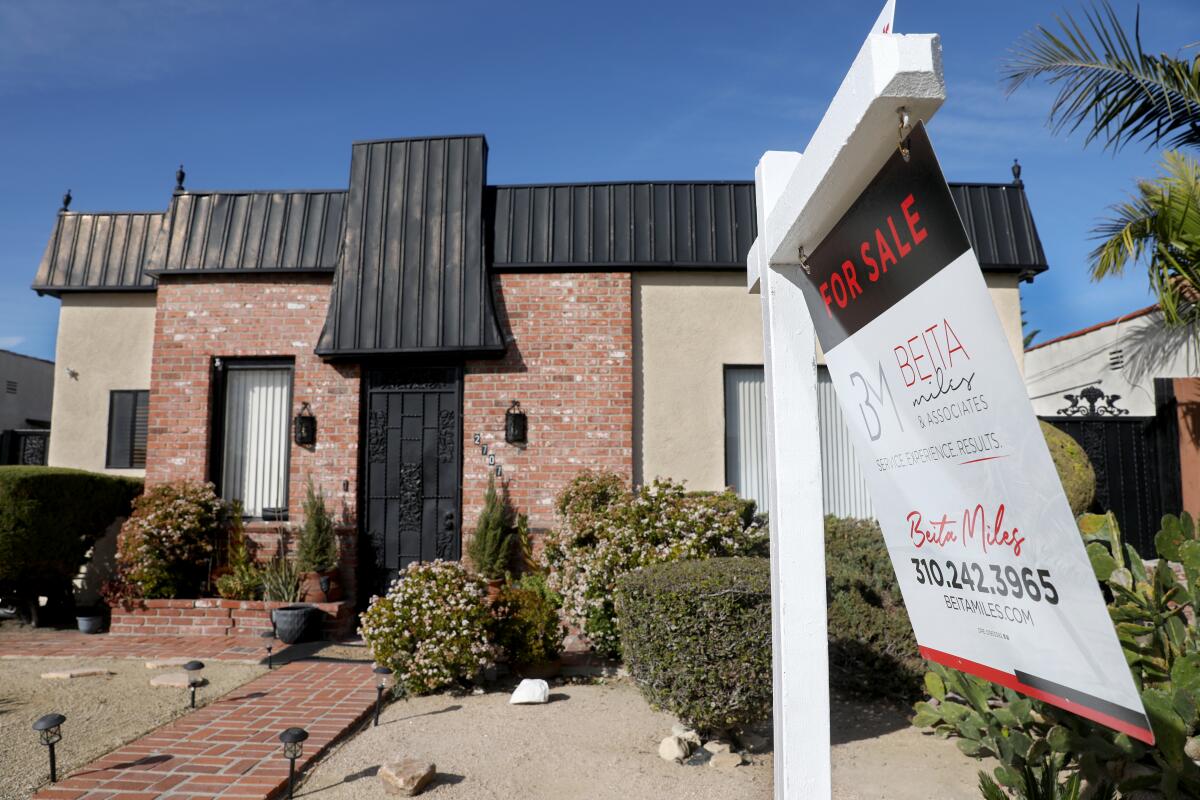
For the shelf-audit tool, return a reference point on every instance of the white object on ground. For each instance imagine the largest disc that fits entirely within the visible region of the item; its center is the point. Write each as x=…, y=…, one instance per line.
x=726, y=760
x=531, y=691
x=673, y=748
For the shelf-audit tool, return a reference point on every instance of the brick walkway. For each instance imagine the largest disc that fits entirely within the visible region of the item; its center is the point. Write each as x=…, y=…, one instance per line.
x=230, y=749
x=41, y=643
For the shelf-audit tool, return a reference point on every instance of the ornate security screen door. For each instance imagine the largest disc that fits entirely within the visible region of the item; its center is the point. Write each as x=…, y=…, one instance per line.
x=412, y=468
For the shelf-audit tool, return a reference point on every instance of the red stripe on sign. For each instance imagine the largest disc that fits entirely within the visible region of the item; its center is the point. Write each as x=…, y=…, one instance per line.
x=977, y=460
x=1009, y=680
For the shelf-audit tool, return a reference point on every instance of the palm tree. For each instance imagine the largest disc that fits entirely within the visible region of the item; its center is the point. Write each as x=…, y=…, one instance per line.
x=1161, y=224
x=1108, y=85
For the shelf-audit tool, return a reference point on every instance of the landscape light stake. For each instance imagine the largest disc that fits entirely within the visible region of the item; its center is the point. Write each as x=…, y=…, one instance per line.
x=49, y=728
x=193, y=669
x=293, y=747
x=385, y=680
x=270, y=637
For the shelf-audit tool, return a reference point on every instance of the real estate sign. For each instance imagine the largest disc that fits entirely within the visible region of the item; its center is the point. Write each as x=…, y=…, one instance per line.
x=986, y=550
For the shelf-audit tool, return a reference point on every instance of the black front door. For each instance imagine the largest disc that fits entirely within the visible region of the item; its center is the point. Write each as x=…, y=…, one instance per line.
x=413, y=464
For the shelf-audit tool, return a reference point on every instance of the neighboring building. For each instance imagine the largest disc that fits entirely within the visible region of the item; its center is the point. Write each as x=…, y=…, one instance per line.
x=26, y=389
x=1129, y=391
x=407, y=314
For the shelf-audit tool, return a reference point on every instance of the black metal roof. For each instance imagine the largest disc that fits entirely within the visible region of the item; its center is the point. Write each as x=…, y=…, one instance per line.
x=624, y=225
x=412, y=276
x=261, y=231
x=98, y=252
x=1000, y=227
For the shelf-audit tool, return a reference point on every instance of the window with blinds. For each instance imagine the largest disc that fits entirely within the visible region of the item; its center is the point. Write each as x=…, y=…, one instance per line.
x=127, y=418
x=254, y=437
x=746, y=433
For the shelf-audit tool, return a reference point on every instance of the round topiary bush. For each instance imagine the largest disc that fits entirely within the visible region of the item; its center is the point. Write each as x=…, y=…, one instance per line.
x=697, y=638
x=607, y=530
x=430, y=628
x=872, y=649
x=1074, y=468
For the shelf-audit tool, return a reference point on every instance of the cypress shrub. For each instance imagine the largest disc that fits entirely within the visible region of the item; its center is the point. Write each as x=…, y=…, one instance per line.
x=49, y=520
x=1073, y=466
x=696, y=636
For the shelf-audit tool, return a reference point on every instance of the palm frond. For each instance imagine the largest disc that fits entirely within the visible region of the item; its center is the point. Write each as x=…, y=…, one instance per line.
x=989, y=788
x=1160, y=227
x=1108, y=84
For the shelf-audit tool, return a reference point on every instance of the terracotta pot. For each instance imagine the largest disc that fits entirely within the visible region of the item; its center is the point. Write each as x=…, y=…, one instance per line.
x=493, y=590
x=539, y=669
x=320, y=587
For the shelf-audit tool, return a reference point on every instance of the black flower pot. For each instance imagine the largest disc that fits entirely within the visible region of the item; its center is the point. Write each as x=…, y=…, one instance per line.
x=299, y=623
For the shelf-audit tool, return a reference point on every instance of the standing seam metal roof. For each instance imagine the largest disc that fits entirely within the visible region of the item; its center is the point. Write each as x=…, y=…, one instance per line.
x=412, y=276
x=99, y=251
x=261, y=231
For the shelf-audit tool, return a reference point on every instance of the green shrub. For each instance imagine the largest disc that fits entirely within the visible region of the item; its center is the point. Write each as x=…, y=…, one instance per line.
x=527, y=624
x=1074, y=469
x=167, y=544
x=242, y=579
x=697, y=639
x=872, y=649
x=49, y=519
x=430, y=628
x=1153, y=611
x=491, y=548
x=605, y=530
x=280, y=575
x=318, y=542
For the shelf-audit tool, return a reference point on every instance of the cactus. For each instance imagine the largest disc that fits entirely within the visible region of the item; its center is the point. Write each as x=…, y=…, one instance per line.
x=1150, y=608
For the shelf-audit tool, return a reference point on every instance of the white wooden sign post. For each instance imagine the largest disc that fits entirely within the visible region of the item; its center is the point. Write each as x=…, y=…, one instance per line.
x=800, y=197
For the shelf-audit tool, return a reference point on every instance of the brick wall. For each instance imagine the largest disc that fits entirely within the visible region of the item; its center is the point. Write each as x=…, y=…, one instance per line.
x=570, y=364
x=200, y=318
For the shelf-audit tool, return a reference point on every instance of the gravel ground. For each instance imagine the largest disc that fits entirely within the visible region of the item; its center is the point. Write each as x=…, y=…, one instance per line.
x=102, y=713
x=600, y=741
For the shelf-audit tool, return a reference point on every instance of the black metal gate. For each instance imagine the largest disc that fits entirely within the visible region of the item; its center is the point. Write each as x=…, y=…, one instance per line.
x=24, y=446
x=412, y=469
x=1136, y=460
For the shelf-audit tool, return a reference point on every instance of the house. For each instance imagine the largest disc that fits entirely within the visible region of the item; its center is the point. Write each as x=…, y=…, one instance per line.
x=1128, y=390
x=26, y=387
x=411, y=318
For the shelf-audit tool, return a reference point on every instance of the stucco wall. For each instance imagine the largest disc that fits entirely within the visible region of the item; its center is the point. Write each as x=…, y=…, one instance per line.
x=106, y=340
x=687, y=327
x=34, y=388
x=1147, y=351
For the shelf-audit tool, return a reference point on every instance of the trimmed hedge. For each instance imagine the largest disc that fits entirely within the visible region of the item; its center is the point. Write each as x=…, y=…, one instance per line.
x=49, y=519
x=1073, y=466
x=872, y=649
x=696, y=637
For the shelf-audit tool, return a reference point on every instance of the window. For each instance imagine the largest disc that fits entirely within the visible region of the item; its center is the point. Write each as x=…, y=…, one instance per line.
x=254, y=402
x=127, y=429
x=746, y=433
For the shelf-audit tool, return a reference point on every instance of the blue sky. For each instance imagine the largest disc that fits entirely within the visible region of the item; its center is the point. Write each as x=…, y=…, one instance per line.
x=107, y=98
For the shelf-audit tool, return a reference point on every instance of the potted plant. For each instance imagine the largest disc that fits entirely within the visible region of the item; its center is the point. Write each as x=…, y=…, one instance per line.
x=90, y=619
x=318, y=556
x=295, y=622
x=491, y=548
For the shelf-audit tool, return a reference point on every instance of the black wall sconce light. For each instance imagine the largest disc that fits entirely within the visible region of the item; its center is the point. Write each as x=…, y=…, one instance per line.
x=516, y=425
x=304, y=427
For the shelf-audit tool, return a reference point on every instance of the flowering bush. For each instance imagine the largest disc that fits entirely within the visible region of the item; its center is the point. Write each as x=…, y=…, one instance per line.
x=607, y=530
x=167, y=544
x=430, y=628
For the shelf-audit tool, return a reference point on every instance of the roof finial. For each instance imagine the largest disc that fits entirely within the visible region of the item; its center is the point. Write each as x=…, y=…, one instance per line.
x=66, y=201
x=1016, y=171
x=179, y=176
